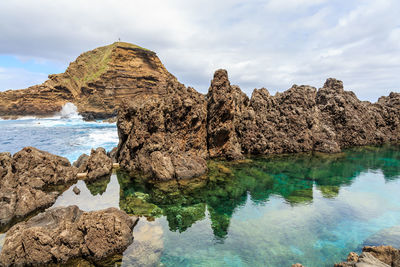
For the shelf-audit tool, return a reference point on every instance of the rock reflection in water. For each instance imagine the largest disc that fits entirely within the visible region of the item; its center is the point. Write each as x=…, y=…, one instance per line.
x=227, y=185
x=270, y=211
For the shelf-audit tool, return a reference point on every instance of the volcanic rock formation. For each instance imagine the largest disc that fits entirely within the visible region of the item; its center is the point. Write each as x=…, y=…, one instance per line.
x=97, y=165
x=382, y=256
x=170, y=136
x=65, y=233
x=96, y=82
x=24, y=181
x=164, y=135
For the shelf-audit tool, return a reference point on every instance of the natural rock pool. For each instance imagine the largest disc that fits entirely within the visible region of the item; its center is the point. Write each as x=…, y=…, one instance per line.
x=275, y=211
x=271, y=211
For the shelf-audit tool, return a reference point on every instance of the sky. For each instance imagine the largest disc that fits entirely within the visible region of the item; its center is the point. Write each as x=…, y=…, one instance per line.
x=271, y=43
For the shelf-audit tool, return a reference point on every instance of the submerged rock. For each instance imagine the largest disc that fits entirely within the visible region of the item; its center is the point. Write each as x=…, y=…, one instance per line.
x=97, y=165
x=381, y=256
x=25, y=179
x=387, y=237
x=65, y=233
x=147, y=247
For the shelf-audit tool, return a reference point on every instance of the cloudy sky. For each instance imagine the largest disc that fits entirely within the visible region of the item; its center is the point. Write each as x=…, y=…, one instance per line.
x=270, y=43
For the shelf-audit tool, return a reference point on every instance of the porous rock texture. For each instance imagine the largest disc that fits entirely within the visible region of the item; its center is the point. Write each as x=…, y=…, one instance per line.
x=157, y=130
x=164, y=135
x=65, y=233
x=24, y=178
x=97, y=165
x=96, y=82
x=380, y=256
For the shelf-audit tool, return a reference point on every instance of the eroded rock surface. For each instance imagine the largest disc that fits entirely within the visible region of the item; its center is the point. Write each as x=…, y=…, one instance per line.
x=225, y=104
x=97, y=165
x=164, y=136
x=96, y=82
x=167, y=136
x=24, y=179
x=65, y=233
x=381, y=256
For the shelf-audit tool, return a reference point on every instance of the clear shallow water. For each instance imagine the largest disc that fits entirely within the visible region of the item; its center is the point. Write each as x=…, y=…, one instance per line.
x=275, y=211
x=265, y=212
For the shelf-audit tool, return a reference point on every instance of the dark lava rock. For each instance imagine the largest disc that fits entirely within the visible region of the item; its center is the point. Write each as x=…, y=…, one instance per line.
x=65, y=233
x=167, y=136
x=381, y=256
x=164, y=136
x=24, y=179
x=97, y=165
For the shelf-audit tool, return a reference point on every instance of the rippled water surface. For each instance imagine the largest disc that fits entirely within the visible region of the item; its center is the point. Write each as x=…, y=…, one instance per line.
x=274, y=211
x=67, y=137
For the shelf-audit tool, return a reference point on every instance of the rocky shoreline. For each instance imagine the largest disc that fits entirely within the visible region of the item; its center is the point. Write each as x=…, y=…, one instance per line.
x=166, y=132
x=171, y=136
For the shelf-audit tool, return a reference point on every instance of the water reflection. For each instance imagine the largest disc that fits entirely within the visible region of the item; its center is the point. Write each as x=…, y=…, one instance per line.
x=272, y=211
x=227, y=185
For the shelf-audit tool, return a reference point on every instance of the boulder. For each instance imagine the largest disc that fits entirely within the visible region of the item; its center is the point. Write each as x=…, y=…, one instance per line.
x=62, y=234
x=76, y=190
x=96, y=166
x=164, y=137
x=381, y=256
x=82, y=160
x=26, y=179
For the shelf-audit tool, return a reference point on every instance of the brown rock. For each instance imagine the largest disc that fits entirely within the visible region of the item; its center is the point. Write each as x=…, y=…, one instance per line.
x=24, y=179
x=65, y=233
x=76, y=190
x=224, y=106
x=381, y=256
x=164, y=136
x=386, y=254
x=167, y=137
x=303, y=119
x=352, y=257
x=112, y=154
x=96, y=82
x=82, y=160
x=97, y=165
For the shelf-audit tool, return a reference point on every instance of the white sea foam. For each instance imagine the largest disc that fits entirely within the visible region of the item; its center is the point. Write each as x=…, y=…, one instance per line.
x=69, y=111
x=102, y=136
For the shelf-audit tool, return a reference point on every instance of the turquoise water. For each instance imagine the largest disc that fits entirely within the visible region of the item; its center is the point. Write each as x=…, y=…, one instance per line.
x=276, y=211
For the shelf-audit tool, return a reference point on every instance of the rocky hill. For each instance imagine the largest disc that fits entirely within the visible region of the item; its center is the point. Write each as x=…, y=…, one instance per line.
x=96, y=82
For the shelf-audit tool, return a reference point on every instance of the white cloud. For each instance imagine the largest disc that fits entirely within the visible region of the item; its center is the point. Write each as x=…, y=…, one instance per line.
x=262, y=43
x=16, y=78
